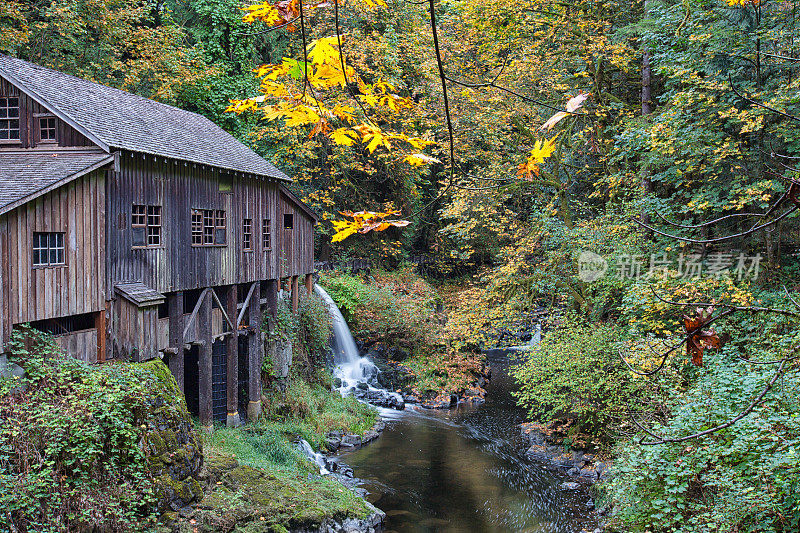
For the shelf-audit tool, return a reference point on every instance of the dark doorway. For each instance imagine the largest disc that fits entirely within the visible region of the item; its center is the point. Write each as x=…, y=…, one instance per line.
x=244, y=373
x=191, y=379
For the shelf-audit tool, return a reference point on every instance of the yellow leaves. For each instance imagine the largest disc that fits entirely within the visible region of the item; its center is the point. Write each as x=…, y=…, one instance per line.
x=322, y=51
x=541, y=150
x=743, y=3
x=344, y=137
x=418, y=160
x=364, y=222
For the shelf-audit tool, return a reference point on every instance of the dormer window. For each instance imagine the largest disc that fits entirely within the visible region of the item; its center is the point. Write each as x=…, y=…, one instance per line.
x=47, y=129
x=9, y=118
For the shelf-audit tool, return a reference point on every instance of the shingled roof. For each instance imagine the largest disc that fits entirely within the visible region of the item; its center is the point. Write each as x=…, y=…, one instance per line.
x=23, y=177
x=116, y=119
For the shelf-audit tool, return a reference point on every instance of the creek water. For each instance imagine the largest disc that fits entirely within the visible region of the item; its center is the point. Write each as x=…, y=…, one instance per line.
x=461, y=470
x=464, y=470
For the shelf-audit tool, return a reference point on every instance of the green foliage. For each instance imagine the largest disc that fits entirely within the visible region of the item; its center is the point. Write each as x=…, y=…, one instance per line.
x=309, y=409
x=742, y=478
x=396, y=308
x=309, y=330
x=69, y=442
x=575, y=374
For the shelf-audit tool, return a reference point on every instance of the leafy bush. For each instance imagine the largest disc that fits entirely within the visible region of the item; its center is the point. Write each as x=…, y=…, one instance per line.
x=575, y=373
x=69, y=443
x=396, y=309
x=742, y=478
x=309, y=330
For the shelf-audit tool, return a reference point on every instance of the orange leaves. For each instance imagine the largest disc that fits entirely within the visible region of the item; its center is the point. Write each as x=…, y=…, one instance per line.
x=364, y=222
x=700, y=338
x=541, y=150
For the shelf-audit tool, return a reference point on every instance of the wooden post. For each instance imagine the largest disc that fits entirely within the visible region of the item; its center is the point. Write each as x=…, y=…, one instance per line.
x=204, y=385
x=100, y=326
x=233, y=362
x=295, y=294
x=272, y=300
x=254, y=351
x=309, y=283
x=175, y=305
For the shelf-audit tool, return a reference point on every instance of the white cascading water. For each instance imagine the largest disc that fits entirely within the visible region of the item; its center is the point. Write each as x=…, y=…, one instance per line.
x=349, y=366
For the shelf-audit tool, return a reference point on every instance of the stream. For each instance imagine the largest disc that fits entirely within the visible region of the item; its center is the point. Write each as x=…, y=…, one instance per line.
x=464, y=470
x=458, y=470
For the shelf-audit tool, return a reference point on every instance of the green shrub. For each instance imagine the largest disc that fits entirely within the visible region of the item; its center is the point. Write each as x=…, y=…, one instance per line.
x=309, y=330
x=742, y=478
x=396, y=309
x=69, y=442
x=576, y=374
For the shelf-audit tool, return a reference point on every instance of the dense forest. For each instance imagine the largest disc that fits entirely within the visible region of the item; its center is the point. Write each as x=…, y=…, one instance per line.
x=624, y=170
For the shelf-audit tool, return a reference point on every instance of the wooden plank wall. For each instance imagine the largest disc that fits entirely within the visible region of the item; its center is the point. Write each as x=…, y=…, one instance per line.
x=82, y=344
x=66, y=135
x=78, y=209
x=297, y=244
x=178, y=188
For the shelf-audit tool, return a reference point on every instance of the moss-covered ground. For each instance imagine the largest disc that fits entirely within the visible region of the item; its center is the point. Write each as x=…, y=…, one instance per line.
x=258, y=480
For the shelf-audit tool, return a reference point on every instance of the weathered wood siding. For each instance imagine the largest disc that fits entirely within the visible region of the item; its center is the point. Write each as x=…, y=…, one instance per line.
x=77, y=287
x=296, y=244
x=178, y=188
x=66, y=135
x=135, y=331
x=81, y=344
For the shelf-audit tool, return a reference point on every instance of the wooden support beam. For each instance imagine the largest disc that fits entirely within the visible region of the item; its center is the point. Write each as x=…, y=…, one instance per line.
x=271, y=300
x=245, y=304
x=193, y=316
x=254, y=355
x=309, y=284
x=204, y=380
x=176, y=335
x=222, y=308
x=295, y=295
x=233, y=419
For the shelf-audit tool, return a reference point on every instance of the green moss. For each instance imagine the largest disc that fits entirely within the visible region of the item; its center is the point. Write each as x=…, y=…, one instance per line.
x=258, y=500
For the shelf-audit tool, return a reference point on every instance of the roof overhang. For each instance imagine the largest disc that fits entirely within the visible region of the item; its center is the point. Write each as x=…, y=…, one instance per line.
x=297, y=201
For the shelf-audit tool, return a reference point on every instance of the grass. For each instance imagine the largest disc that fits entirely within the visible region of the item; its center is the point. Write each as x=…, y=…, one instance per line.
x=263, y=482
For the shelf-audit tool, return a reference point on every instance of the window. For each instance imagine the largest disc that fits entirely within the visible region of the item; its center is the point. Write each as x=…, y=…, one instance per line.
x=288, y=221
x=47, y=129
x=146, y=225
x=48, y=249
x=266, y=234
x=208, y=227
x=9, y=118
x=225, y=184
x=247, y=234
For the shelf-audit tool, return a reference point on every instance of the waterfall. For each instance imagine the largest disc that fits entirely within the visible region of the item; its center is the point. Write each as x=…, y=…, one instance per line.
x=357, y=375
x=344, y=347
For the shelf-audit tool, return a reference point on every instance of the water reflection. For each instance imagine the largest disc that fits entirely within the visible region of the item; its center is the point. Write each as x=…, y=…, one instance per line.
x=463, y=471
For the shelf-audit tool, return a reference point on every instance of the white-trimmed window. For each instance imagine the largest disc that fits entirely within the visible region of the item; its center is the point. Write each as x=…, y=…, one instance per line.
x=247, y=234
x=9, y=118
x=146, y=225
x=48, y=249
x=266, y=234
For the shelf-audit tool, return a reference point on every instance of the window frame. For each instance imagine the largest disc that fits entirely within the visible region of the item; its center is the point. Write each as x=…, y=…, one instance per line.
x=266, y=234
x=40, y=130
x=49, y=249
x=5, y=109
x=207, y=226
x=247, y=234
x=148, y=218
x=288, y=221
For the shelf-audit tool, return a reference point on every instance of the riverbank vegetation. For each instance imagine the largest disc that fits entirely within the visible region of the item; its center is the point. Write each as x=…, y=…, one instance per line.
x=623, y=173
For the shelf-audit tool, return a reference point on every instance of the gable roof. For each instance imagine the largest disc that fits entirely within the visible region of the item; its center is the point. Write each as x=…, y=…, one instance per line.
x=116, y=119
x=23, y=178
x=293, y=198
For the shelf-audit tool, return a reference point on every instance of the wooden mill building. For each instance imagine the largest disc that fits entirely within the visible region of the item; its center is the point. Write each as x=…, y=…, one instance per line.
x=131, y=229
